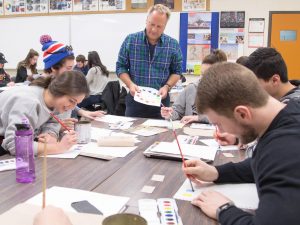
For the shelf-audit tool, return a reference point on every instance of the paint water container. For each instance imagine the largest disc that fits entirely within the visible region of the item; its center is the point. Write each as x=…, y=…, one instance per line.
x=25, y=170
x=83, y=130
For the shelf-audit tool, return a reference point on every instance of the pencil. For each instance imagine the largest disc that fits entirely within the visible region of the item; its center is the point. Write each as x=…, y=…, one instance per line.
x=60, y=122
x=44, y=174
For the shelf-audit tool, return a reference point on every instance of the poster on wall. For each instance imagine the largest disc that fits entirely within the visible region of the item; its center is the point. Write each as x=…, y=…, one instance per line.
x=234, y=19
x=256, y=25
x=232, y=42
x=138, y=4
x=85, y=5
x=14, y=7
x=60, y=6
x=198, y=40
x=255, y=40
x=193, y=5
x=36, y=6
x=168, y=3
x=111, y=5
x=1, y=8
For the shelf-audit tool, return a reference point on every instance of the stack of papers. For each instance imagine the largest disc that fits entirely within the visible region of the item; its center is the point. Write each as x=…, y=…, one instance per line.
x=203, y=126
x=163, y=123
x=146, y=131
x=63, y=198
x=198, y=132
x=243, y=195
x=212, y=143
x=114, y=119
x=97, y=133
x=171, y=151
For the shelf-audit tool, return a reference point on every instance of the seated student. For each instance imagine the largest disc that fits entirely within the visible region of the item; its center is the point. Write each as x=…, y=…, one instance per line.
x=36, y=102
x=58, y=58
x=81, y=64
x=231, y=97
x=97, y=79
x=27, y=68
x=184, y=106
x=269, y=67
x=4, y=77
x=242, y=60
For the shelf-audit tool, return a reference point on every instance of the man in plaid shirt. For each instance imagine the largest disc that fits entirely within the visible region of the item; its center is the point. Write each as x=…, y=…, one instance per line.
x=152, y=59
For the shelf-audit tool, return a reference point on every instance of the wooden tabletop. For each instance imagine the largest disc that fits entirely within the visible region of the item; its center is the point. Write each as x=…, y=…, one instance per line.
x=120, y=176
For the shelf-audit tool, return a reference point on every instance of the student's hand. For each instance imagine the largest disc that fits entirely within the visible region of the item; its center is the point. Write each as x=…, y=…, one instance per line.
x=133, y=88
x=225, y=138
x=163, y=91
x=91, y=115
x=69, y=122
x=51, y=216
x=166, y=112
x=189, y=119
x=198, y=171
x=46, y=137
x=209, y=202
x=67, y=141
x=10, y=84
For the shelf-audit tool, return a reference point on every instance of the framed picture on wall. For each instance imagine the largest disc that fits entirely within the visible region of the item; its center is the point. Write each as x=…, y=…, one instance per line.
x=256, y=25
x=234, y=19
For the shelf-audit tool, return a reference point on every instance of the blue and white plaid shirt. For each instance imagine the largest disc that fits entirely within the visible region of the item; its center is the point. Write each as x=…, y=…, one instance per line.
x=134, y=59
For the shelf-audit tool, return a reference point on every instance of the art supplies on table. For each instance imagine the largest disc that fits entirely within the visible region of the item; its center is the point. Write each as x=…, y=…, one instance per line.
x=198, y=132
x=148, y=96
x=7, y=164
x=120, y=125
x=146, y=131
x=27, y=212
x=72, y=153
x=161, y=211
x=163, y=123
x=114, y=119
x=186, y=139
x=169, y=150
x=93, y=150
x=214, y=144
x=64, y=197
x=243, y=195
x=202, y=126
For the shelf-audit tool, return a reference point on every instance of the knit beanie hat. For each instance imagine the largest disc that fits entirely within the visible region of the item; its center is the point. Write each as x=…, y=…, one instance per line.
x=54, y=51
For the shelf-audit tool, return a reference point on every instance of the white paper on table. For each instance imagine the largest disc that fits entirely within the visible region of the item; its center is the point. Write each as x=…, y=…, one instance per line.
x=202, y=126
x=120, y=125
x=63, y=197
x=243, y=195
x=93, y=150
x=195, y=151
x=148, y=96
x=146, y=131
x=163, y=123
x=114, y=119
x=72, y=153
x=214, y=144
x=186, y=139
x=7, y=164
x=96, y=133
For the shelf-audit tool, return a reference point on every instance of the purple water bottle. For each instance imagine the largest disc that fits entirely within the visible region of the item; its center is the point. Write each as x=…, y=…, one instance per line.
x=25, y=171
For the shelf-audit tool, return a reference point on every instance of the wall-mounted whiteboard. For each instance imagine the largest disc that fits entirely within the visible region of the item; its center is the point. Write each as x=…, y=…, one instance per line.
x=103, y=33
x=20, y=34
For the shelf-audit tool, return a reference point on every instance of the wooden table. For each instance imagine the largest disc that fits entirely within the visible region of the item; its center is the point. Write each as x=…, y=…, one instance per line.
x=120, y=176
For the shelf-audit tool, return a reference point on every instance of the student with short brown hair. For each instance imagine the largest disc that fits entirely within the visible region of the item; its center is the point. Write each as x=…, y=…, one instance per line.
x=231, y=97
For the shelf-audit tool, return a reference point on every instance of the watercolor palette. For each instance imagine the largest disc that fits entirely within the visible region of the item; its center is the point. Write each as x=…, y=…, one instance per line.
x=148, y=96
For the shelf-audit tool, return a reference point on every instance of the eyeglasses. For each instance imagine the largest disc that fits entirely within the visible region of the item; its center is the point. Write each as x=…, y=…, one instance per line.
x=67, y=48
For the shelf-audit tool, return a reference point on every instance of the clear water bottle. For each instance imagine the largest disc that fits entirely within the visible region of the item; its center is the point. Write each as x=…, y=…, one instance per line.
x=25, y=170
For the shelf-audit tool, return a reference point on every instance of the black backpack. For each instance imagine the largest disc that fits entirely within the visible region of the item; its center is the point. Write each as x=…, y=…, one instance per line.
x=113, y=97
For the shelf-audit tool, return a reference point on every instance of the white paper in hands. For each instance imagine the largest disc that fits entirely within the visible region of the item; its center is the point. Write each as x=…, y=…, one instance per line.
x=148, y=96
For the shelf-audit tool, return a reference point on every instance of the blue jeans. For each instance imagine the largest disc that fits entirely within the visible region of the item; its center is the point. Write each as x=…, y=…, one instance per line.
x=136, y=109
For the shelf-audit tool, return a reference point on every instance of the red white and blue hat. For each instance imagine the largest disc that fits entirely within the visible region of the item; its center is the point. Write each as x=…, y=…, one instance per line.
x=54, y=51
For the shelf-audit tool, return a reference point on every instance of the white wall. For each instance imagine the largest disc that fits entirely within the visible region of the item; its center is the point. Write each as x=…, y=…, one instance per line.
x=255, y=9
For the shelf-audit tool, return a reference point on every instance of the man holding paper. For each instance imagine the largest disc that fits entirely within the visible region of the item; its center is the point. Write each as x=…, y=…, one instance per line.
x=233, y=100
x=150, y=58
